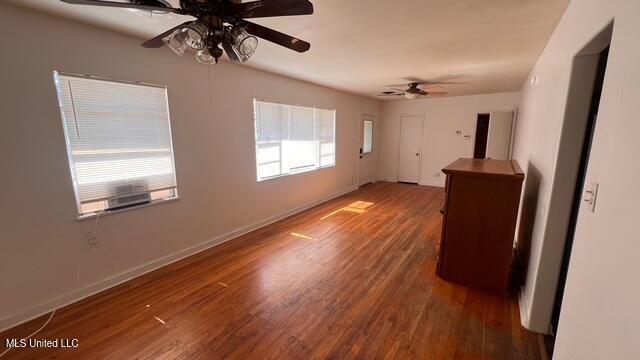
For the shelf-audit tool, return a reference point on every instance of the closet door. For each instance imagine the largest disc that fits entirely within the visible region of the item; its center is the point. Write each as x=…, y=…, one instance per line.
x=410, y=149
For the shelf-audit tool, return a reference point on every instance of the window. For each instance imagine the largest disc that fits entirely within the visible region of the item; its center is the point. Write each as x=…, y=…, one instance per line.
x=118, y=140
x=292, y=139
x=367, y=142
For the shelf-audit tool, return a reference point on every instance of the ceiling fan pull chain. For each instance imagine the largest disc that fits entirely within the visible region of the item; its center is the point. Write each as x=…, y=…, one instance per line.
x=209, y=80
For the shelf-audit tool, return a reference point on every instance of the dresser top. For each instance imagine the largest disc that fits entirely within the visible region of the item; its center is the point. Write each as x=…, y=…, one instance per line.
x=483, y=167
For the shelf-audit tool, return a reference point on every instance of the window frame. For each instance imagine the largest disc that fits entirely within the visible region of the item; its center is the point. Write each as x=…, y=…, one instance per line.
x=300, y=170
x=93, y=214
x=364, y=121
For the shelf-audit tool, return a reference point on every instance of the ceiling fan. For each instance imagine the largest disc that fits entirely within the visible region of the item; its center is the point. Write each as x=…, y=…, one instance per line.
x=218, y=23
x=414, y=91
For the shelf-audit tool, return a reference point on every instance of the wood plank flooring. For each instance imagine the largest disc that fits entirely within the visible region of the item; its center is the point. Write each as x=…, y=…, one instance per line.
x=351, y=278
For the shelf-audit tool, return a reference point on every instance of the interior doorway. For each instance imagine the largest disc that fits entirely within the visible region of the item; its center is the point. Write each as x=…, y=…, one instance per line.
x=569, y=186
x=482, y=135
x=579, y=185
x=410, y=152
x=493, y=138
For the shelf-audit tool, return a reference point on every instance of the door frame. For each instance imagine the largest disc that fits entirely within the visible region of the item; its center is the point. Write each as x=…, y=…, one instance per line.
x=420, y=115
x=563, y=184
x=513, y=127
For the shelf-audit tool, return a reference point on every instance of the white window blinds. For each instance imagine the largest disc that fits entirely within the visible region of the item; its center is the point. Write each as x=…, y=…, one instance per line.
x=118, y=138
x=292, y=139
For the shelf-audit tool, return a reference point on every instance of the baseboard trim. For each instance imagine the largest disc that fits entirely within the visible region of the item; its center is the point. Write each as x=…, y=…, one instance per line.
x=429, y=183
x=95, y=288
x=388, y=179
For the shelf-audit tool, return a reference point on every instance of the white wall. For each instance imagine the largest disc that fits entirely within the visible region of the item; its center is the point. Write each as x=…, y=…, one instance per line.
x=440, y=144
x=41, y=239
x=600, y=317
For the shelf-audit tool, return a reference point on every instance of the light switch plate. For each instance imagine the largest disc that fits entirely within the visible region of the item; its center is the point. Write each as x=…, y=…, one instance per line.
x=590, y=196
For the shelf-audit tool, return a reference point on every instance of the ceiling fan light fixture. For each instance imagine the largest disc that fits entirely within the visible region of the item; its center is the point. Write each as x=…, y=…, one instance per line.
x=209, y=55
x=195, y=35
x=177, y=42
x=239, y=44
x=216, y=24
x=412, y=96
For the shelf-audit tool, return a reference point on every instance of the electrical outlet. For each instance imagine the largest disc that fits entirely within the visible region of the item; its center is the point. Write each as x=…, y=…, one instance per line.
x=590, y=196
x=92, y=238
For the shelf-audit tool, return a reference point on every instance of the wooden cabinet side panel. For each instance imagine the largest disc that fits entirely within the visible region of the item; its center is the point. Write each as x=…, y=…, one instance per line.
x=478, y=232
x=444, y=221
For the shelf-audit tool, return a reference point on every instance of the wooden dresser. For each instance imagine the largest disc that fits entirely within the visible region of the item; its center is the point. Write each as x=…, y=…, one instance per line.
x=480, y=212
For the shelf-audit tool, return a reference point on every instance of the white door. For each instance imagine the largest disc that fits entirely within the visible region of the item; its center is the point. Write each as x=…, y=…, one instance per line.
x=365, y=167
x=499, y=139
x=410, y=154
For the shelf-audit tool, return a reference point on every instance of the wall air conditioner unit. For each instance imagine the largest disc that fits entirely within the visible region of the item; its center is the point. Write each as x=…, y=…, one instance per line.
x=129, y=194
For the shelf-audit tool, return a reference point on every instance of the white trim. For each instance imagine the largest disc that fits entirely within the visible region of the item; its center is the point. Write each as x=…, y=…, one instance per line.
x=432, y=183
x=103, y=78
x=291, y=104
x=523, y=306
x=395, y=180
x=92, y=289
x=514, y=124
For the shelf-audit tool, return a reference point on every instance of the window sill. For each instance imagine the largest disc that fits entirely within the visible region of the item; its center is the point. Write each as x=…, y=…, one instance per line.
x=94, y=215
x=295, y=173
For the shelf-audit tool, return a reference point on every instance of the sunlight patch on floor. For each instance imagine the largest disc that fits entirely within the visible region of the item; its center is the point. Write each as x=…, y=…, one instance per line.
x=358, y=207
x=301, y=236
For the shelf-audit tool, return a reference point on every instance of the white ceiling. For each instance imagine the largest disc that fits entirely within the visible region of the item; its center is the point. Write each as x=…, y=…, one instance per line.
x=361, y=46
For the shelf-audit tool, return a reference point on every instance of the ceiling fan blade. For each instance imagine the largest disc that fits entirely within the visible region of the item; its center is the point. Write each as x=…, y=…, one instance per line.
x=276, y=37
x=157, y=41
x=438, y=83
x=390, y=94
x=437, y=92
x=125, y=6
x=269, y=8
x=430, y=83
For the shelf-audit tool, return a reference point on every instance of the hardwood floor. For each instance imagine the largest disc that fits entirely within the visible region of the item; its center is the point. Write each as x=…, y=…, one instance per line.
x=354, y=283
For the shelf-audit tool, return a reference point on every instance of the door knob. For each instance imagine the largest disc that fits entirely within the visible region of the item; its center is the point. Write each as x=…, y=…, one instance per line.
x=417, y=154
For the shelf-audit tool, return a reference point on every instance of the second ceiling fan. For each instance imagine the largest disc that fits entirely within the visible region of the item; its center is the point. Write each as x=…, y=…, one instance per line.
x=218, y=25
